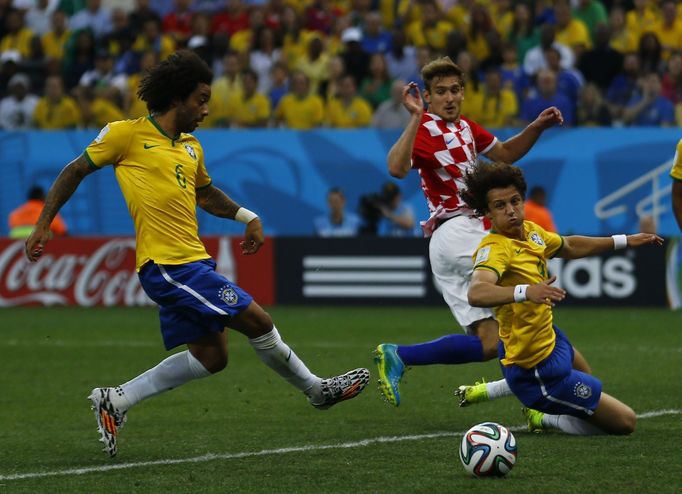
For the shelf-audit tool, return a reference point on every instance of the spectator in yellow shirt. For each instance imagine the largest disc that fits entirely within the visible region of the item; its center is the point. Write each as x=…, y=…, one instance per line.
x=300, y=109
x=431, y=30
x=640, y=19
x=251, y=108
x=348, y=110
x=96, y=111
x=138, y=108
x=622, y=39
x=669, y=29
x=223, y=89
x=570, y=31
x=483, y=39
x=494, y=106
x=315, y=63
x=55, y=110
x=17, y=36
x=151, y=38
x=55, y=40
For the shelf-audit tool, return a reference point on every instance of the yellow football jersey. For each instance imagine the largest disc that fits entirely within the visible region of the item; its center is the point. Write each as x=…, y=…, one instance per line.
x=158, y=176
x=676, y=171
x=299, y=113
x=525, y=328
x=357, y=114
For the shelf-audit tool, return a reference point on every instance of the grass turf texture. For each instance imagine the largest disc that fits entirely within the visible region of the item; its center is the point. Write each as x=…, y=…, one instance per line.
x=51, y=358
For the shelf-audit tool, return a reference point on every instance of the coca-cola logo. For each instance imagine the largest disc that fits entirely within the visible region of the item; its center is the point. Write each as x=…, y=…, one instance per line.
x=105, y=276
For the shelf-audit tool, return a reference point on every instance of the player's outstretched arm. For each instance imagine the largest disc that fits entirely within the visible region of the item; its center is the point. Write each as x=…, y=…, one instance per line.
x=516, y=147
x=62, y=189
x=214, y=201
x=577, y=246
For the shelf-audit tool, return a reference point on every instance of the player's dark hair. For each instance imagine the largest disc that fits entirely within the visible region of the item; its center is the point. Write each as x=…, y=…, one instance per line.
x=172, y=80
x=487, y=176
x=439, y=68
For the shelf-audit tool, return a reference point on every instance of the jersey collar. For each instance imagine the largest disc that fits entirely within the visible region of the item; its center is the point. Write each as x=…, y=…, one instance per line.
x=163, y=132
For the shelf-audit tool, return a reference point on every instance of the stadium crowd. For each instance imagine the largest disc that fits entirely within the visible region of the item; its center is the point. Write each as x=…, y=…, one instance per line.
x=342, y=63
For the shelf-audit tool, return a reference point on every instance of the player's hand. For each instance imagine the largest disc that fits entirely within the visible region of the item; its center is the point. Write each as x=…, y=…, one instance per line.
x=36, y=242
x=644, y=238
x=253, y=237
x=412, y=99
x=544, y=293
x=548, y=118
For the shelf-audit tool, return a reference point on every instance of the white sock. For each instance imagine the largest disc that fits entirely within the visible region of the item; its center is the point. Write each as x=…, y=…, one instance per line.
x=498, y=389
x=279, y=357
x=571, y=425
x=168, y=374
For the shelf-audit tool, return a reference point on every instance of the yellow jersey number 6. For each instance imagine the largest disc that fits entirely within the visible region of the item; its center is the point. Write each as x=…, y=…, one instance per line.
x=180, y=176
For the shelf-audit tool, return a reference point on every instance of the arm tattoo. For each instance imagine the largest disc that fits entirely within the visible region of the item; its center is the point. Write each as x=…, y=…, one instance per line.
x=213, y=200
x=64, y=186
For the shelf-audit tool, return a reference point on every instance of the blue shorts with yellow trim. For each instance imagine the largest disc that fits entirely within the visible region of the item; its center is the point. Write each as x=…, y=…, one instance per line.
x=553, y=386
x=194, y=300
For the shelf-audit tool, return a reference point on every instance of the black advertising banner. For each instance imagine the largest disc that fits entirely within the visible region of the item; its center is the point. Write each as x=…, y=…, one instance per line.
x=360, y=270
x=388, y=271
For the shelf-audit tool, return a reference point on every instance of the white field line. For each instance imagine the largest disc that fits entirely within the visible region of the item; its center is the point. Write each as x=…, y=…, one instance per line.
x=268, y=452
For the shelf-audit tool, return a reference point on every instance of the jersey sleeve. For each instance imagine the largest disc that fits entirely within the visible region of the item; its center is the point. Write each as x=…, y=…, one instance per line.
x=110, y=144
x=483, y=139
x=676, y=172
x=203, y=179
x=492, y=255
x=422, y=151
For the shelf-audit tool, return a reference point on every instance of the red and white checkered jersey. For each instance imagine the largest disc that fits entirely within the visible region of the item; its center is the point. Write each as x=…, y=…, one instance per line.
x=442, y=154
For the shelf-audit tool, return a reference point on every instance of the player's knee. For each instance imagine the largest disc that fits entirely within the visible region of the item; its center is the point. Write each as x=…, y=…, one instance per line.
x=216, y=363
x=629, y=422
x=626, y=423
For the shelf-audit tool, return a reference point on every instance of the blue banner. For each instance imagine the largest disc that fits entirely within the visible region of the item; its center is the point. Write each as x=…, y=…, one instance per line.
x=599, y=181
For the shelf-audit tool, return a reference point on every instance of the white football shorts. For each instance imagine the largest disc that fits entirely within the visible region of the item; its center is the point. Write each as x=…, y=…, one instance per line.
x=451, y=248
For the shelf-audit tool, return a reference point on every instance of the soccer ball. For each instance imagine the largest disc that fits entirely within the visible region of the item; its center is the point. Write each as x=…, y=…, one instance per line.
x=488, y=450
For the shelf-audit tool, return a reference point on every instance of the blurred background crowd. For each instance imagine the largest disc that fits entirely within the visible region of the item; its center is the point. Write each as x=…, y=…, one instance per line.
x=342, y=63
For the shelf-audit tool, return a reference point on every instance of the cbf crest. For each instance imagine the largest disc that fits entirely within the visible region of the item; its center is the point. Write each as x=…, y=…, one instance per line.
x=582, y=390
x=190, y=151
x=535, y=237
x=228, y=295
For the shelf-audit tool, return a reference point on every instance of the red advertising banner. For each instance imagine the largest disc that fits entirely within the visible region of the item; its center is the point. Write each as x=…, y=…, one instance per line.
x=100, y=271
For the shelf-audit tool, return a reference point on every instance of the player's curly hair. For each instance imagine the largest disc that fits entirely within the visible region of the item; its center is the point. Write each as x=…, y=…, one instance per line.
x=487, y=176
x=439, y=68
x=174, y=79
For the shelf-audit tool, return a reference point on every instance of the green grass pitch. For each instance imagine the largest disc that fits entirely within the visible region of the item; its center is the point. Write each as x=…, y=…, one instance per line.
x=246, y=430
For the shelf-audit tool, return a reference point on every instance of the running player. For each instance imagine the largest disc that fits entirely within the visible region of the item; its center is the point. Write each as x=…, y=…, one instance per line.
x=160, y=170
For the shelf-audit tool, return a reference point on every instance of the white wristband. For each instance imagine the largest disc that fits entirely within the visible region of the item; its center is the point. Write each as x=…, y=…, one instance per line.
x=619, y=241
x=520, y=293
x=245, y=216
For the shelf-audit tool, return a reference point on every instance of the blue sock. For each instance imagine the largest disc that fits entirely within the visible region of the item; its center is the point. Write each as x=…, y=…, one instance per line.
x=450, y=349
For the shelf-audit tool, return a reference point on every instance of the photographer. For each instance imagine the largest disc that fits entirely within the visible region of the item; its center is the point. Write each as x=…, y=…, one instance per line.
x=385, y=214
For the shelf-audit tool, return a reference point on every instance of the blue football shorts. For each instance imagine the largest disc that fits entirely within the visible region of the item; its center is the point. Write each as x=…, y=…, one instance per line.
x=553, y=386
x=193, y=299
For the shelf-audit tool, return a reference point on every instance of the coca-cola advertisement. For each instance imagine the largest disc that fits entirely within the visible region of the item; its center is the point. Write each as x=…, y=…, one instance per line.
x=100, y=271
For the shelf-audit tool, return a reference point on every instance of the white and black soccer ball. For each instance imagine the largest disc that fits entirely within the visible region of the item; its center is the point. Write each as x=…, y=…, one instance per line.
x=488, y=450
